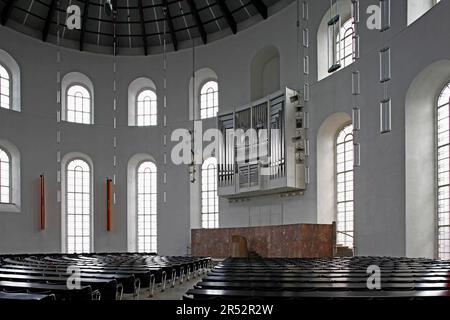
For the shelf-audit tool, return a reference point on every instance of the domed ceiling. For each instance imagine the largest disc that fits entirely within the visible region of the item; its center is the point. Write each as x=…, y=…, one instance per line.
x=135, y=26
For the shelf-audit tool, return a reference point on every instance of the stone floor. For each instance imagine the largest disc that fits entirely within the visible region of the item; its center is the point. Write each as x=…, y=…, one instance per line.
x=175, y=293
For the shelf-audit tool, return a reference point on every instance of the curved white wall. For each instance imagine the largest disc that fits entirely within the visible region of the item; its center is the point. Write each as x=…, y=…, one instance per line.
x=380, y=194
x=420, y=108
x=265, y=72
x=326, y=164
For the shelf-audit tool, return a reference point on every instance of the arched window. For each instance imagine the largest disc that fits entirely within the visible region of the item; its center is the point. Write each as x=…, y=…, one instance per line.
x=443, y=170
x=5, y=88
x=146, y=207
x=78, y=206
x=344, y=186
x=197, y=84
x=9, y=177
x=210, y=200
x=209, y=100
x=146, y=108
x=344, y=43
x=78, y=104
x=5, y=177
x=334, y=39
x=9, y=82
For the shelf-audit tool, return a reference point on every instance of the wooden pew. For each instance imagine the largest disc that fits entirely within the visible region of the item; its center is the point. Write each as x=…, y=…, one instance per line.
x=97, y=270
x=293, y=278
x=209, y=294
x=26, y=296
x=106, y=287
x=61, y=291
x=126, y=280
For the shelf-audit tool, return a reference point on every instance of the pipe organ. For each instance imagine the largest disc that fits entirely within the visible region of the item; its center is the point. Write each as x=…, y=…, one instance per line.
x=263, y=147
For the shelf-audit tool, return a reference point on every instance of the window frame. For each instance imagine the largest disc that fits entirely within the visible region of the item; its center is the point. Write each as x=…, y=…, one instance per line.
x=10, y=187
x=10, y=93
x=136, y=227
x=136, y=114
x=336, y=202
x=436, y=160
x=91, y=204
x=199, y=97
x=207, y=190
x=66, y=107
x=341, y=43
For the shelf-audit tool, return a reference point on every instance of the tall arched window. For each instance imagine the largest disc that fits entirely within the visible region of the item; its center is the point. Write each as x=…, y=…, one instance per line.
x=9, y=82
x=210, y=200
x=344, y=43
x=79, y=104
x=5, y=88
x=146, y=108
x=344, y=186
x=78, y=206
x=10, y=190
x=5, y=177
x=443, y=171
x=209, y=100
x=147, y=207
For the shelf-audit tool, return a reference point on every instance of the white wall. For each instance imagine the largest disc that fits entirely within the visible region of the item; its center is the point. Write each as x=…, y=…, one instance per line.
x=271, y=76
x=420, y=147
x=265, y=72
x=380, y=195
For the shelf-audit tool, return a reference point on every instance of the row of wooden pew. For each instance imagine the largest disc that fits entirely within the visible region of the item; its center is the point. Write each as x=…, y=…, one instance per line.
x=322, y=278
x=92, y=276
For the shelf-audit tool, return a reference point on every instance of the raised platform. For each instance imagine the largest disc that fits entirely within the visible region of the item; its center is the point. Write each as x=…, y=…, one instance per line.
x=295, y=240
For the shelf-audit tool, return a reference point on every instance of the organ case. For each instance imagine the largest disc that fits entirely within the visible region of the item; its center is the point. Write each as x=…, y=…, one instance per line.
x=263, y=147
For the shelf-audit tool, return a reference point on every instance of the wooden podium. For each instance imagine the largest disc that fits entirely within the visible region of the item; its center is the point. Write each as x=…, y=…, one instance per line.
x=239, y=247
